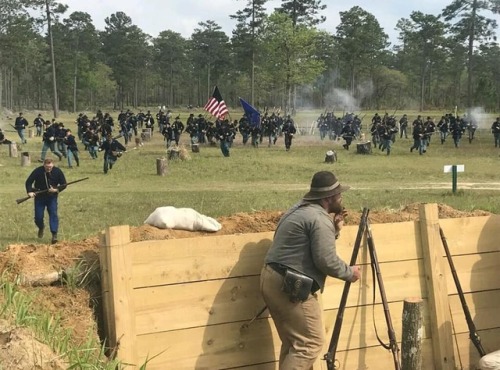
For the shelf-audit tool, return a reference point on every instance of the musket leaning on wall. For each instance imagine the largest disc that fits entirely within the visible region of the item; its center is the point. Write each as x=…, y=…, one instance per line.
x=473, y=334
x=329, y=357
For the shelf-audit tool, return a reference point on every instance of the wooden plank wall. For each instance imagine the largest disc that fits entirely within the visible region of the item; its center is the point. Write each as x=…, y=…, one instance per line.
x=184, y=302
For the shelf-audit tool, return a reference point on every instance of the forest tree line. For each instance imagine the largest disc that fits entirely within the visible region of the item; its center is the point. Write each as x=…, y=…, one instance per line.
x=53, y=60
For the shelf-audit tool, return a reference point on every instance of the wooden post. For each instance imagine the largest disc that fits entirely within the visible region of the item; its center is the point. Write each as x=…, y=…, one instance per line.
x=25, y=159
x=30, y=133
x=13, y=150
x=161, y=166
x=138, y=142
x=173, y=154
x=437, y=292
x=146, y=134
x=411, y=345
x=122, y=334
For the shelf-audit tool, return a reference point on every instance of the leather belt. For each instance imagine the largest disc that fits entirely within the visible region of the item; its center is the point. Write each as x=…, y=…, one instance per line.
x=278, y=267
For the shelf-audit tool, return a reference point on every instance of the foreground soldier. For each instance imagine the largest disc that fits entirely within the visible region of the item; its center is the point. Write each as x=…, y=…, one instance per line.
x=303, y=253
x=42, y=178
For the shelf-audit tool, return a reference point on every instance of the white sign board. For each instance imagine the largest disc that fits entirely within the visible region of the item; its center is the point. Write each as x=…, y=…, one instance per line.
x=448, y=168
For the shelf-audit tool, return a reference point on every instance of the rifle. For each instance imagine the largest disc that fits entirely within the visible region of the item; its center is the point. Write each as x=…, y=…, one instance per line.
x=473, y=335
x=329, y=357
x=20, y=200
x=393, y=344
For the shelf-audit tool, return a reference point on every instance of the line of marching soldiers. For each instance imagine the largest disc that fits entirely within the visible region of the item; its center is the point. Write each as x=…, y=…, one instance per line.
x=202, y=131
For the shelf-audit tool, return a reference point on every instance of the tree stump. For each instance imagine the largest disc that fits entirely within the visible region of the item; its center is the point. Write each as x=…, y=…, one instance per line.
x=411, y=345
x=25, y=159
x=13, y=150
x=161, y=166
x=331, y=156
x=195, y=148
x=173, y=154
x=364, y=148
x=146, y=134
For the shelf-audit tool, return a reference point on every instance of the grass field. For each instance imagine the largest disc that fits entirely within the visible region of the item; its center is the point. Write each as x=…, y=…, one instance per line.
x=250, y=179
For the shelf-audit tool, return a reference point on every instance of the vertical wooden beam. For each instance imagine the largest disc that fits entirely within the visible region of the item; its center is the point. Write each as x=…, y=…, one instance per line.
x=441, y=328
x=107, y=302
x=118, y=277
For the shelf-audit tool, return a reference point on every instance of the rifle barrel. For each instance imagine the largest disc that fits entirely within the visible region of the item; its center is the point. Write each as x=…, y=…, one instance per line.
x=21, y=200
x=393, y=344
x=329, y=357
x=473, y=334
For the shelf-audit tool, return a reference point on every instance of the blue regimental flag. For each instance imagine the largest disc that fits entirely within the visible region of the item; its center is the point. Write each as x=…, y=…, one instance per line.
x=251, y=113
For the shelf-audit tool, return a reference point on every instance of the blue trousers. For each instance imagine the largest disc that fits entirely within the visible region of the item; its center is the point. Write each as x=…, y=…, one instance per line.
x=20, y=132
x=224, y=147
x=49, y=202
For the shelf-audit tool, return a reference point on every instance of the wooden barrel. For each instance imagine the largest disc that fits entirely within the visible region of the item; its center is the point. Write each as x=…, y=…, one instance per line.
x=195, y=148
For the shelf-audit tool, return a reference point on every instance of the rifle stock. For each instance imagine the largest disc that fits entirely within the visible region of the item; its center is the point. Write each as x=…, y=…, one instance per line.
x=329, y=357
x=24, y=199
x=473, y=334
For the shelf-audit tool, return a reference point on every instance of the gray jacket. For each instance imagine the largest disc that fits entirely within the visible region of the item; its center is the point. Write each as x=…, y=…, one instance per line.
x=305, y=241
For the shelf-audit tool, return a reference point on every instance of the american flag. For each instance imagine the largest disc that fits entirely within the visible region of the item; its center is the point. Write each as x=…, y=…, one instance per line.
x=216, y=105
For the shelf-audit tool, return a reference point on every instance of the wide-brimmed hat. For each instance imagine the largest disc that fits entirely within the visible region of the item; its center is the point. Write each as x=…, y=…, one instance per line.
x=324, y=184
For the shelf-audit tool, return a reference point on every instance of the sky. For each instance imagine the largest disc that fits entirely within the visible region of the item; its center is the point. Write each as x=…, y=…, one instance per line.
x=183, y=16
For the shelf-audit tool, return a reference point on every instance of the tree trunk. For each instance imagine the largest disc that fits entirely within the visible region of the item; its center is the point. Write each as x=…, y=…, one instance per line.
x=1, y=87
x=411, y=345
x=470, y=54
x=55, y=102
x=75, y=82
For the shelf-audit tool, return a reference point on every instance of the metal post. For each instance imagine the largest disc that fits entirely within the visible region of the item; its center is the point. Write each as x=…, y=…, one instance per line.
x=454, y=178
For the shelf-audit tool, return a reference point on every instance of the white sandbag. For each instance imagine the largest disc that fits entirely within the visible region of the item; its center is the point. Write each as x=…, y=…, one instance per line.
x=491, y=361
x=181, y=218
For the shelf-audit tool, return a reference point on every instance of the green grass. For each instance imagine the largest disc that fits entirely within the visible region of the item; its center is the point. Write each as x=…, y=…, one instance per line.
x=251, y=179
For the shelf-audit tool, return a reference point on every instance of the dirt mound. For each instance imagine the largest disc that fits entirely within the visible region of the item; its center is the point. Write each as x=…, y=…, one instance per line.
x=79, y=309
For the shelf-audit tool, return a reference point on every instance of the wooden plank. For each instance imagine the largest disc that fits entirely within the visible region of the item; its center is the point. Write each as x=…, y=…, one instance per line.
x=469, y=356
x=394, y=241
x=238, y=299
x=444, y=358
x=358, y=331
x=476, y=272
x=120, y=269
x=483, y=307
x=195, y=259
x=472, y=234
x=181, y=306
x=401, y=280
x=226, y=346
x=378, y=358
x=107, y=300
x=211, y=347
x=215, y=257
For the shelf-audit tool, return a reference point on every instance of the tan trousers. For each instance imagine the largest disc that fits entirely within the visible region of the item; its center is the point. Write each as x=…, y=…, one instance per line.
x=299, y=325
